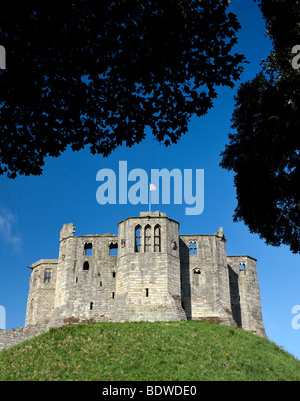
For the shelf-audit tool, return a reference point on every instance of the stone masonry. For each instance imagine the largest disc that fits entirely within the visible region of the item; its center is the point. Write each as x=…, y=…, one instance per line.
x=147, y=272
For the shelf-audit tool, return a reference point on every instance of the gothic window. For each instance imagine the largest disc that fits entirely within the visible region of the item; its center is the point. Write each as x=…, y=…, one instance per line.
x=157, y=239
x=86, y=266
x=138, y=239
x=147, y=241
x=47, y=276
x=88, y=249
x=113, y=249
x=196, y=277
x=193, y=248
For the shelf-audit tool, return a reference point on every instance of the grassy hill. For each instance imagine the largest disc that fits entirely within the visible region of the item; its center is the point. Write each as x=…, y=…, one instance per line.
x=170, y=351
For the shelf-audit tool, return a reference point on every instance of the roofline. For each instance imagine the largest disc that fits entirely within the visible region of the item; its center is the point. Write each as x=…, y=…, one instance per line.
x=241, y=256
x=43, y=262
x=149, y=217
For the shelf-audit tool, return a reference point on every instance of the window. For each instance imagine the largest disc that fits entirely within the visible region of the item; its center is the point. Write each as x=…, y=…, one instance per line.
x=113, y=295
x=196, y=277
x=147, y=241
x=113, y=249
x=138, y=239
x=88, y=249
x=242, y=267
x=157, y=239
x=47, y=276
x=114, y=274
x=193, y=248
x=91, y=305
x=86, y=266
x=147, y=292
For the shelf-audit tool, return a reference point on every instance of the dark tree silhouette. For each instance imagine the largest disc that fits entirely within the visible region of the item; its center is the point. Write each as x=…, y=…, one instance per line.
x=264, y=153
x=97, y=73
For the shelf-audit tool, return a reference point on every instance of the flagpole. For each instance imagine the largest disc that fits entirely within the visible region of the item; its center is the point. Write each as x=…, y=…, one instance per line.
x=149, y=199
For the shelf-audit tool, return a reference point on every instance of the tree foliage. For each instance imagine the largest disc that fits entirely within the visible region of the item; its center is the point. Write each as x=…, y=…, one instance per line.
x=264, y=153
x=97, y=73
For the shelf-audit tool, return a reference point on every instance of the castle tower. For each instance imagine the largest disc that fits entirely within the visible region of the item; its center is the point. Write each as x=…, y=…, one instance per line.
x=63, y=296
x=205, y=279
x=85, y=277
x=148, y=284
x=245, y=293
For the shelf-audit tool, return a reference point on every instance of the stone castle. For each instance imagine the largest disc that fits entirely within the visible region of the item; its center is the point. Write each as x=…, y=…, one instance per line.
x=147, y=272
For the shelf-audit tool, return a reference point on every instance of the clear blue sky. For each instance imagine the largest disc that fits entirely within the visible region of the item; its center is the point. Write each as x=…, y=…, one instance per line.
x=33, y=209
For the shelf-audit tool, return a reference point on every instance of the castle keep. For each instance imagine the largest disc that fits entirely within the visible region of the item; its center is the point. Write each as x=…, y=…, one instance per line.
x=146, y=272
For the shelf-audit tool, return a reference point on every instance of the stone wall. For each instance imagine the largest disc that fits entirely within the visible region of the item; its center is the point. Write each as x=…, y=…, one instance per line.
x=9, y=338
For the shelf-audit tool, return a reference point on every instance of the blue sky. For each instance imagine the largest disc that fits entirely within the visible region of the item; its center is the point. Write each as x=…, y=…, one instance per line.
x=33, y=209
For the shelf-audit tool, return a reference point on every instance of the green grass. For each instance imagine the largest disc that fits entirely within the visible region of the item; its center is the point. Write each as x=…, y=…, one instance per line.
x=192, y=351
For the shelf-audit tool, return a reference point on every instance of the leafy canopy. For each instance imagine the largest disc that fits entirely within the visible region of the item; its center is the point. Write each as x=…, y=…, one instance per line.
x=97, y=73
x=264, y=153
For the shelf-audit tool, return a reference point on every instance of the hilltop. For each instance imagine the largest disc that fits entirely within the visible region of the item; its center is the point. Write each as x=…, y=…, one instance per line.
x=167, y=351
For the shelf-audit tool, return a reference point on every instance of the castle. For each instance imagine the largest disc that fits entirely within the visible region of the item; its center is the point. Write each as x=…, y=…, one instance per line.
x=147, y=272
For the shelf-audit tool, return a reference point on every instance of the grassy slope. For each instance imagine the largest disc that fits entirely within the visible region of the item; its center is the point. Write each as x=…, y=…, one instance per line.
x=148, y=351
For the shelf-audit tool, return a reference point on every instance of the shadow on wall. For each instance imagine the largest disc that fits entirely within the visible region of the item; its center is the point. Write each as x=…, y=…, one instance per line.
x=235, y=296
x=185, y=278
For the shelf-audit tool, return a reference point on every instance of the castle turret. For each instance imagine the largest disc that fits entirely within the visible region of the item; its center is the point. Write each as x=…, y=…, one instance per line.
x=148, y=284
x=245, y=293
x=205, y=280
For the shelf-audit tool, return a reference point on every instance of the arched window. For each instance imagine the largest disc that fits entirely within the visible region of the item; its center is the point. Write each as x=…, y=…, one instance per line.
x=242, y=268
x=157, y=239
x=193, y=247
x=147, y=239
x=88, y=249
x=86, y=266
x=196, y=277
x=138, y=239
x=47, y=276
x=113, y=249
